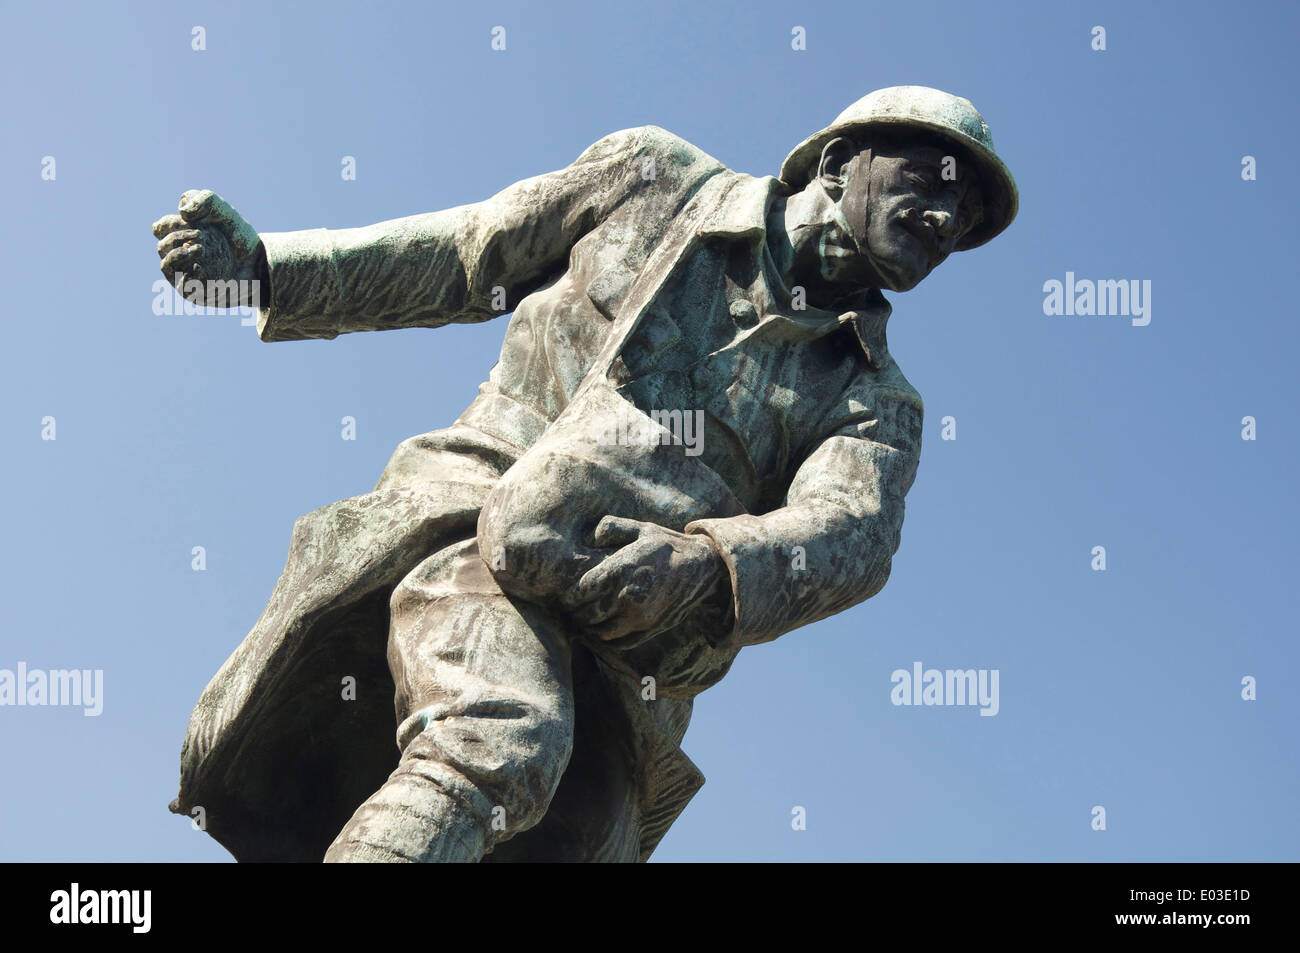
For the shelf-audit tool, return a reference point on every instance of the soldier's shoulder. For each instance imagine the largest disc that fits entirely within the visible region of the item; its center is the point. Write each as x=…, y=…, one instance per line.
x=667, y=149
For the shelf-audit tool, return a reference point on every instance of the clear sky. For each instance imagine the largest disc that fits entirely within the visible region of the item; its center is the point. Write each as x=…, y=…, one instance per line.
x=1119, y=688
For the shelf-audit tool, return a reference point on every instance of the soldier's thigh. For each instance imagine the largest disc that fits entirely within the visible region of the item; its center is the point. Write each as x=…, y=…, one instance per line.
x=492, y=676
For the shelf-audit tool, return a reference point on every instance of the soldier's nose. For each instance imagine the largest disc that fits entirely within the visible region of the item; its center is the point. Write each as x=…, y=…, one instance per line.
x=942, y=222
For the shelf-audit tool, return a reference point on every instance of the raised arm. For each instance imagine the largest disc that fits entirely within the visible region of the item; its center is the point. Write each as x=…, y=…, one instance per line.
x=465, y=264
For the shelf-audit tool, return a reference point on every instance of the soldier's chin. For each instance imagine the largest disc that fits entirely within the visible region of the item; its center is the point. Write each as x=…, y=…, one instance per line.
x=902, y=274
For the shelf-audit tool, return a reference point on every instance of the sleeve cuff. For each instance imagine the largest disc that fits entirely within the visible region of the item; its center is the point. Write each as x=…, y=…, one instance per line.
x=725, y=539
x=303, y=282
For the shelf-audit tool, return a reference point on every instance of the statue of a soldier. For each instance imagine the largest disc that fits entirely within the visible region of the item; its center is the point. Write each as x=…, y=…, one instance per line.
x=544, y=586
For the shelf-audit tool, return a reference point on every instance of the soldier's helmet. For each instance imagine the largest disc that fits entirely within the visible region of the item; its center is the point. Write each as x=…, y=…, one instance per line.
x=950, y=118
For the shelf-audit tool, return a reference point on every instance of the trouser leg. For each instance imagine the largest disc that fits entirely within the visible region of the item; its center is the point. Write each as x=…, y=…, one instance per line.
x=484, y=691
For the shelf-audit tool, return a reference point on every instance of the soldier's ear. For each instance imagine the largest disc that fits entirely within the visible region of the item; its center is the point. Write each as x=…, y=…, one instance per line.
x=833, y=167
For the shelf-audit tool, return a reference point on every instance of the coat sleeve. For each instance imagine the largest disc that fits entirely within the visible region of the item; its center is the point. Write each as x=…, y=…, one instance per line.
x=831, y=545
x=444, y=267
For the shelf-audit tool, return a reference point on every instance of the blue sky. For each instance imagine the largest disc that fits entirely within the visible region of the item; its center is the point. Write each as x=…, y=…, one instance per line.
x=1119, y=688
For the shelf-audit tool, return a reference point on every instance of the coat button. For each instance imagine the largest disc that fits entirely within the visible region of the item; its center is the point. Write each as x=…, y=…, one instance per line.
x=744, y=313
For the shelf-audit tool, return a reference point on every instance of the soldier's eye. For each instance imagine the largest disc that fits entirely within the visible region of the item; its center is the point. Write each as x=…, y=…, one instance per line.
x=925, y=181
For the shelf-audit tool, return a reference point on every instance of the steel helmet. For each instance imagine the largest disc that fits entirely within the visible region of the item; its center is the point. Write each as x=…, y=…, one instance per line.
x=948, y=117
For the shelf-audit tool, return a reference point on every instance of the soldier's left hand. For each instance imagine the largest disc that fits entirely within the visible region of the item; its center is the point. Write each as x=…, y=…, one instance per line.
x=654, y=577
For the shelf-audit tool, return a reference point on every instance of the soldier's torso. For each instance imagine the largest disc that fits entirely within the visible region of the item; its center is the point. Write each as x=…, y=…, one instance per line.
x=720, y=337
x=723, y=340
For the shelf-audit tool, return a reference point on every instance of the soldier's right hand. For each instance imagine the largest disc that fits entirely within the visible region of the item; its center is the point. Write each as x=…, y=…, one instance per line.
x=209, y=241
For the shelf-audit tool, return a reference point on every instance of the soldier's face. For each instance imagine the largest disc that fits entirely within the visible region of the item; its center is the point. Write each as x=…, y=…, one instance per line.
x=902, y=211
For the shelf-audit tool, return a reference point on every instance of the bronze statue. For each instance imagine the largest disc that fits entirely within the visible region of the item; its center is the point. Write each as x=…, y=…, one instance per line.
x=695, y=440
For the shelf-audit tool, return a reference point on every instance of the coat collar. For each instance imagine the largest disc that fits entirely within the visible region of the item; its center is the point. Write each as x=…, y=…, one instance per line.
x=741, y=214
x=742, y=210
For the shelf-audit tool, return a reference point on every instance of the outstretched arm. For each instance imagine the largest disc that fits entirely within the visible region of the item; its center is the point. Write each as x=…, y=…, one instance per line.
x=464, y=264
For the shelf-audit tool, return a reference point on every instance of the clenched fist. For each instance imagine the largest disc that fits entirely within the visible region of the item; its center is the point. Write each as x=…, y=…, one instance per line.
x=206, y=246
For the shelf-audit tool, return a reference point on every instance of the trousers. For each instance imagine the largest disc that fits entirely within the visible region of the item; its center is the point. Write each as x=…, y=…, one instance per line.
x=489, y=684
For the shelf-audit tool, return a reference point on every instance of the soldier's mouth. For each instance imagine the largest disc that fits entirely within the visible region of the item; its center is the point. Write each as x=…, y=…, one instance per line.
x=836, y=244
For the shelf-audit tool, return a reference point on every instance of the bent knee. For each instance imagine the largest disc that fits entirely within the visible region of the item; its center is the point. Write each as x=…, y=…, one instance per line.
x=510, y=752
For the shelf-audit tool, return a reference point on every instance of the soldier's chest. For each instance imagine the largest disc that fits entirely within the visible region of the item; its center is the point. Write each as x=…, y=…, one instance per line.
x=715, y=343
